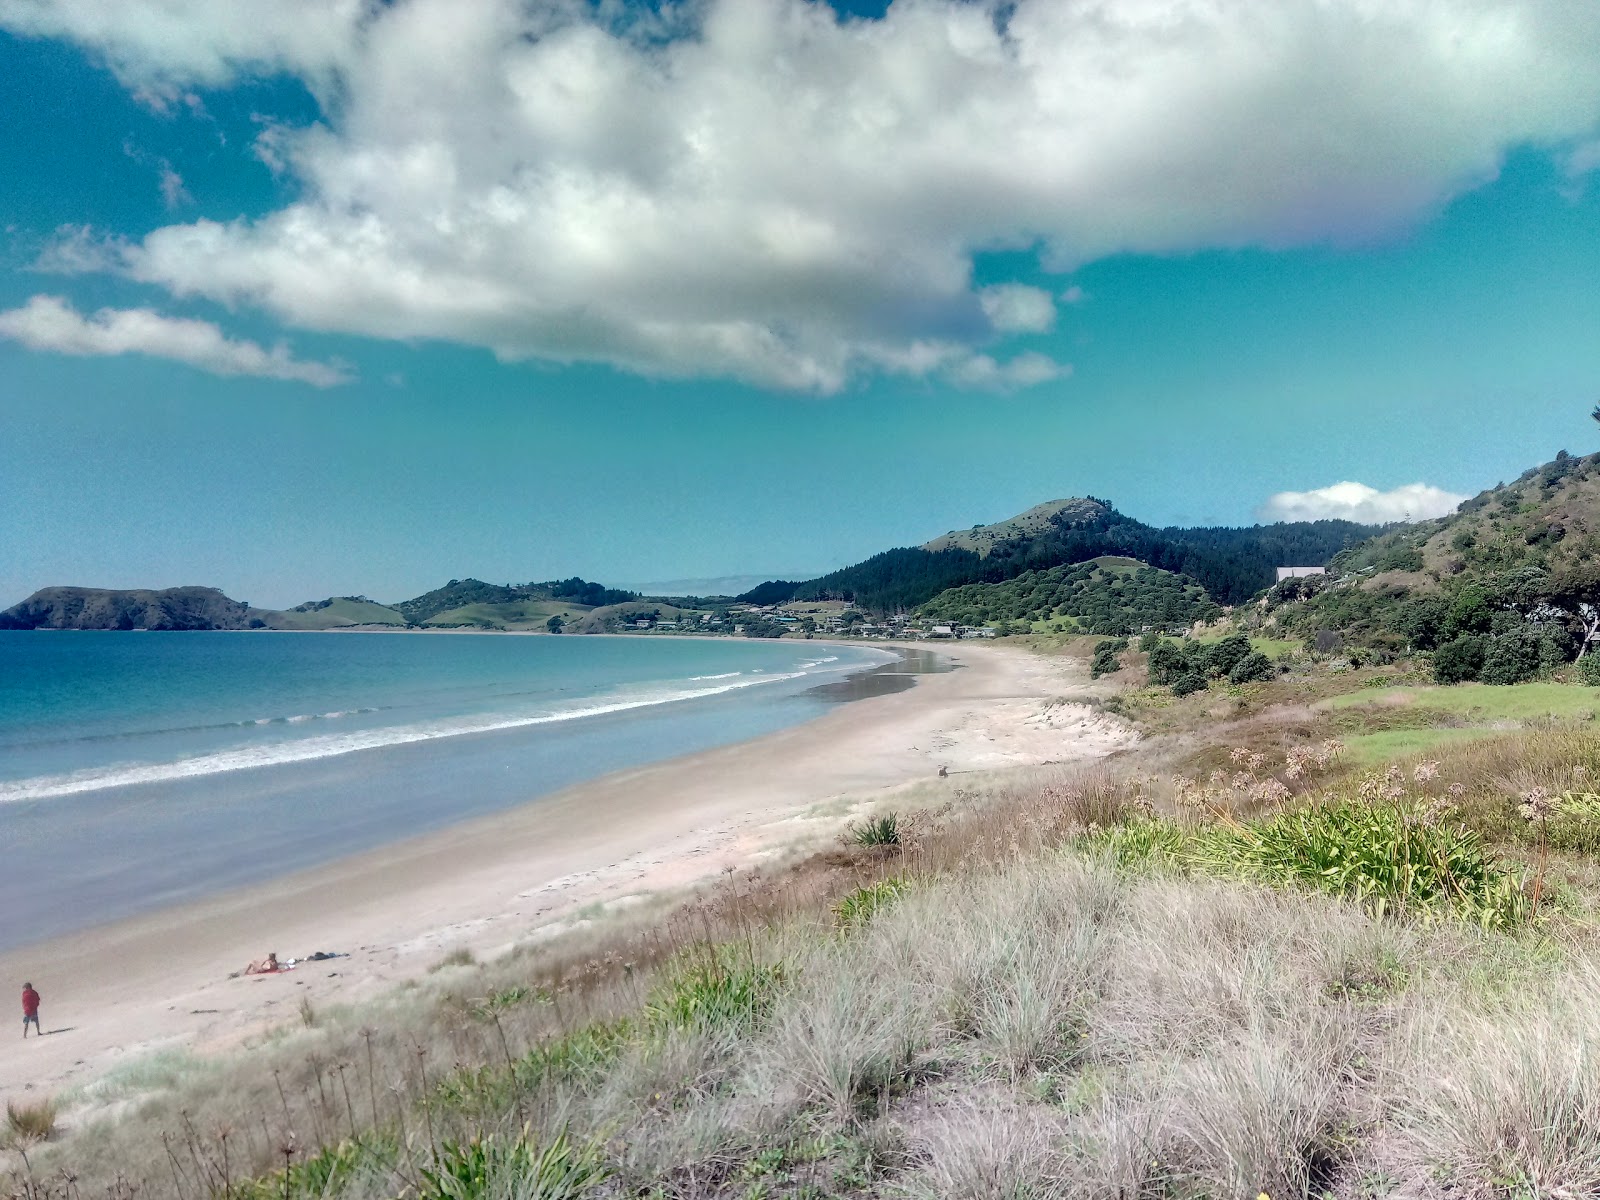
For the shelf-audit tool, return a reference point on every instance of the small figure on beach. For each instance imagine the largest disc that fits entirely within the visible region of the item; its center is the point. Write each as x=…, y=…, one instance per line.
x=944, y=772
x=30, y=1011
x=267, y=966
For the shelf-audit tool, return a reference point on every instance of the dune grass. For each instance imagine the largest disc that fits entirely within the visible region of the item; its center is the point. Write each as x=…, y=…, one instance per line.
x=28, y=1123
x=1012, y=1005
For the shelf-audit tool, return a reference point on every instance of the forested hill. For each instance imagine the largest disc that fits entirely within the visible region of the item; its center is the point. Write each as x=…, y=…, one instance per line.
x=1502, y=589
x=1231, y=564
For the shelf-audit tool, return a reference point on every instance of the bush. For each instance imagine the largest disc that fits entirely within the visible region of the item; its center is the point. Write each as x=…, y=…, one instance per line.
x=1225, y=655
x=1253, y=667
x=1460, y=660
x=1510, y=658
x=1589, y=670
x=1105, y=657
x=1185, y=684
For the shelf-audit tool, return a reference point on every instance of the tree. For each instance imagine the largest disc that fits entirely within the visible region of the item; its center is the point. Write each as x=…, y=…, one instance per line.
x=1223, y=657
x=1252, y=668
x=554, y=624
x=1459, y=660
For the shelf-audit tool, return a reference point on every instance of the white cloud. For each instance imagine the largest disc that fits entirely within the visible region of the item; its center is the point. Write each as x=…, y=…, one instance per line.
x=50, y=323
x=1074, y=295
x=173, y=193
x=1026, y=370
x=158, y=46
x=1018, y=308
x=759, y=189
x=1358, y=502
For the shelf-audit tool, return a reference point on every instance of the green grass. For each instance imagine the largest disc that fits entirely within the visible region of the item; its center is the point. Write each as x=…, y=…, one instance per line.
x=1271, y=647
x=1117, y=565
x=1388, y=858
x=1482, y=701
x=1374, y=749
x=516, y=613
x=340, y=612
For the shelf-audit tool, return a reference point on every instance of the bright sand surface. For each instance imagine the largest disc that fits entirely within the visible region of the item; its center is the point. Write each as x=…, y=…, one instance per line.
x=160, y=982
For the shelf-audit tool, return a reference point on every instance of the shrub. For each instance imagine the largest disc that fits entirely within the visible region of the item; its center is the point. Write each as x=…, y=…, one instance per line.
x=1253, y=667
x=1105, y=657
x=1185, y=684
x=31, y=1122
x=1169, y=661
x=861, y=905
x=1589, y=670
x=879, y=831
x=1512, y=656
x=1225, y=655
x=1459, y=660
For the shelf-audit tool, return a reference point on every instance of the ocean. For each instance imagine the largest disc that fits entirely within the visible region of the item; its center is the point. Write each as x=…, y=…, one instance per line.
x=139, y=770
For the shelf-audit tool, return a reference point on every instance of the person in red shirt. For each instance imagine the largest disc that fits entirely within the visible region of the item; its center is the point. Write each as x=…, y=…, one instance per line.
x=30, y=1010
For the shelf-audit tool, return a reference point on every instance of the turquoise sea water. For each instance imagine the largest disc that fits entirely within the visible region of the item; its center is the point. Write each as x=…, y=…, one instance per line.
x=142, y=769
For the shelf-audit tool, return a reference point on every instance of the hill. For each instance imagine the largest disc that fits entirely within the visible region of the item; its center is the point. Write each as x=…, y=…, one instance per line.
x=336, y=612
x=1501, y=589
x=1232, y=565
x=1113, y=596
x=176, y=608
x=492, y=605
x=981, y=539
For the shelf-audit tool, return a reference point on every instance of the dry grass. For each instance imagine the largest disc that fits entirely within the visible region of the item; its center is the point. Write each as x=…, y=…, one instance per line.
x=29, y=1123
x=1004, y=1017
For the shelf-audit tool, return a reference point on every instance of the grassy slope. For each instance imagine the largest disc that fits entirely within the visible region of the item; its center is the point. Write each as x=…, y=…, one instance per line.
x=1519, y=702
x=983, y=538
x=340, y=613
x=517, y=614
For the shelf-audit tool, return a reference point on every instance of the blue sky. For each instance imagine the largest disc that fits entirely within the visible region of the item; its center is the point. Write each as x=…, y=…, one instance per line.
x=310, y=300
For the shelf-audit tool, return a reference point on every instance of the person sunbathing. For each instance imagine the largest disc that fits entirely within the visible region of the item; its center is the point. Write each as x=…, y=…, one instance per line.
x=267, y=966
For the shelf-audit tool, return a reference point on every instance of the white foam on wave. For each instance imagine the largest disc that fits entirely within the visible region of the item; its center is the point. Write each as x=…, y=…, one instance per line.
x=243, y=758
x=724, y=675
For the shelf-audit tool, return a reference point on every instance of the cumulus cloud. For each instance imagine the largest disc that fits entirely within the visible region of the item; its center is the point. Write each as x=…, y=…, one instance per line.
x=1357, y=502
x=762, y=189
x=50, y=323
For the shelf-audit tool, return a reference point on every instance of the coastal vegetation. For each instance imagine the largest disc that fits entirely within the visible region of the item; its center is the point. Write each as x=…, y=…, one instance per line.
x=1116, y=596
x=1243, y=958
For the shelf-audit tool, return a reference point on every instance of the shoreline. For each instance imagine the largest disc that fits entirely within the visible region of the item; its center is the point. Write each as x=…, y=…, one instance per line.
x=159, y=982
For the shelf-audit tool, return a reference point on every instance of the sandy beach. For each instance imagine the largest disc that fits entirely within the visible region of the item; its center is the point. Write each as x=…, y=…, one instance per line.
x=160, y=983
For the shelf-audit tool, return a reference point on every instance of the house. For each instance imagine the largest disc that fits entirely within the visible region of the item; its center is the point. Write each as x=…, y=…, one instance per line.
x=1299, y=572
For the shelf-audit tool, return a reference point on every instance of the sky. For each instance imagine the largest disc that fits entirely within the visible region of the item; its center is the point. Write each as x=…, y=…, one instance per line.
x=303, y=298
